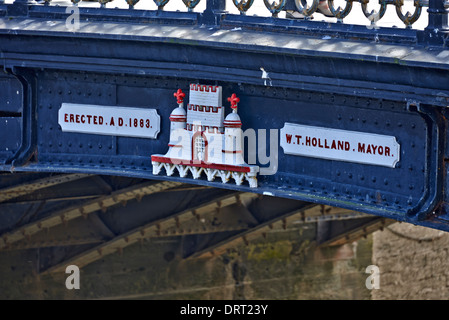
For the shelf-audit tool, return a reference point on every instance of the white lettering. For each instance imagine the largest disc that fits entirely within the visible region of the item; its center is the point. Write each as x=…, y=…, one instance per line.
x=373, y=281
x=272, y=159
x=245, y=309
x=72, y=281
x=197, y=310
x=72, y=22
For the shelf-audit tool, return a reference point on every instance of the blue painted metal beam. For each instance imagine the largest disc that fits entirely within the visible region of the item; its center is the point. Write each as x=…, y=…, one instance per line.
x=379, y=88
x=414, y=70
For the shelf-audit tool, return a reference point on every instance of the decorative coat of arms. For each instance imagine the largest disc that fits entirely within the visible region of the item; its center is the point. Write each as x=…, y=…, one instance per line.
x=203, y=141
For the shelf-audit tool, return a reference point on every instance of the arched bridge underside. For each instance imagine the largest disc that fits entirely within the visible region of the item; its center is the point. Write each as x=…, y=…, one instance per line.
x=81, y=218
x=277, y=123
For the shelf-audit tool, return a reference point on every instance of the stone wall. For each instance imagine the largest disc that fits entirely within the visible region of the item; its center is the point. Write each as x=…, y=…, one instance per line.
x=284, y=265
x=413, y=262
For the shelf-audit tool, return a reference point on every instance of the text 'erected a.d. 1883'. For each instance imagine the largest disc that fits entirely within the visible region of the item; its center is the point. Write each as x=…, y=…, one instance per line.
x=109, y=120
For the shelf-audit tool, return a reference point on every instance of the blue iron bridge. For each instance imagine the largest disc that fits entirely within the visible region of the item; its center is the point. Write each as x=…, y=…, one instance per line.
x=191, y=109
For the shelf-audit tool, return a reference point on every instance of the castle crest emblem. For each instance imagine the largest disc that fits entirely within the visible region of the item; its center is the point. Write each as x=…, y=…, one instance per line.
x=203, y=141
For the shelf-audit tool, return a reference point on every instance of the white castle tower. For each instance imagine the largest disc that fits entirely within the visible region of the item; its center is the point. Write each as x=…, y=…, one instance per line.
x=178, y=116
x=202, y=141
x=233, y=138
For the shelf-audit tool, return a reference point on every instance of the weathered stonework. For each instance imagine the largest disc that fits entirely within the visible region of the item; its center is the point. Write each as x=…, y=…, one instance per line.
x=412, y=261
x=284, y=265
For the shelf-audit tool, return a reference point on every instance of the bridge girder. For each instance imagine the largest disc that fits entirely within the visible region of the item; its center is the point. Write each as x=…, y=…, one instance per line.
x=335, y=79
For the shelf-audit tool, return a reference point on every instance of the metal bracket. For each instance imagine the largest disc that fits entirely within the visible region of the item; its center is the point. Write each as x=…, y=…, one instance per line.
x=28, y=147
x=434, y=169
